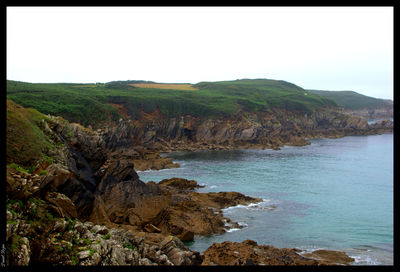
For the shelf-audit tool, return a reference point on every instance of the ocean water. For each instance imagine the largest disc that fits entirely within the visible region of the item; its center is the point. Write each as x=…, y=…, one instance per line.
x=333, y=194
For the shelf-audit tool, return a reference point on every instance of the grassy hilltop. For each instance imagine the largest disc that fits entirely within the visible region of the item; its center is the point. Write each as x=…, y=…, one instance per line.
x=350, y=100
x=93, y=103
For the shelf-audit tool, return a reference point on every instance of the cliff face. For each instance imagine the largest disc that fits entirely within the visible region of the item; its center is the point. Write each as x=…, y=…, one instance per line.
x=245, y=129
x=378, y=113
x=88, y=183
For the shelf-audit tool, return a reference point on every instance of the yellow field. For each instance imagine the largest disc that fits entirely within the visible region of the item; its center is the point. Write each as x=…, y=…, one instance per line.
x=187, y=87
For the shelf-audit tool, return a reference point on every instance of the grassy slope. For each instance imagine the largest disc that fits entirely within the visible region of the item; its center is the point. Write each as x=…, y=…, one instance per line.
x=90, y=103
x=26, y=142
x=353, y=101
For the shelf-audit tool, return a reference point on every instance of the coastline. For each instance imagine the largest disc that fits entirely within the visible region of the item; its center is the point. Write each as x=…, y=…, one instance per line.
x=90, y=190
x=193, y=147
x=364, y=257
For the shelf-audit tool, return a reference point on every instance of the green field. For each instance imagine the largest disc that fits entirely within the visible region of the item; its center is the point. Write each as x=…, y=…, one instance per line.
x=90, y=104
x=353, y=101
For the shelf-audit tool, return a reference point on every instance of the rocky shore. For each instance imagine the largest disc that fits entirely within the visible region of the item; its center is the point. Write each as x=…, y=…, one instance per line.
x=89, y=207
x=48, y=231
x=249, y=252
x=154, y=133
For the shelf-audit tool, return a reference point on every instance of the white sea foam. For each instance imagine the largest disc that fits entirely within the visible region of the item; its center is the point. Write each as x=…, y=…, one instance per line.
x=232, y=230
x=364, y=260
x=257, y=205
x=151, y=170
x=359, y=259
x=309, y=249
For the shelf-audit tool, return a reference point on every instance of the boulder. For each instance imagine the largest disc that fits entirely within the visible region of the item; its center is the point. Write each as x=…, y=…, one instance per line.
x=56, y=176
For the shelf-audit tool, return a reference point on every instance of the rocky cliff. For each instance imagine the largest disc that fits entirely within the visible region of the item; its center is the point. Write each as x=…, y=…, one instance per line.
x=271, y=129
x=89, y=207
x=86, y=205
x=378, y=113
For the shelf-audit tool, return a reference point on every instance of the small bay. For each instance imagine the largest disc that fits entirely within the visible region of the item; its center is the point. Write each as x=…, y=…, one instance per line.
x=333, y=194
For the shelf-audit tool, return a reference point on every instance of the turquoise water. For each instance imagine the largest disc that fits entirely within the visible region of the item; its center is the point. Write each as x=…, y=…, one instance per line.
x=333, y=194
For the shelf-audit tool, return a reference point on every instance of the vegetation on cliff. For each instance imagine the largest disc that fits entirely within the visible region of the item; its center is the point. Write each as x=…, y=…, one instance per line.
x=27, y=144
x=90, y=104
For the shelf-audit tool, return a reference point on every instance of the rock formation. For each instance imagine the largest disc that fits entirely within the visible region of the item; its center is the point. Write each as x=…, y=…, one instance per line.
x=249, y=252
x=262, y=130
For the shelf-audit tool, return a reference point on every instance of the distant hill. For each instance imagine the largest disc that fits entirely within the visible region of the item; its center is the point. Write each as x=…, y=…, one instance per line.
x=350, y=100
x=97, y=102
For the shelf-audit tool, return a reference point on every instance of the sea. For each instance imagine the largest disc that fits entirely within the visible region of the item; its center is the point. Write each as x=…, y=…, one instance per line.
x=334, y=194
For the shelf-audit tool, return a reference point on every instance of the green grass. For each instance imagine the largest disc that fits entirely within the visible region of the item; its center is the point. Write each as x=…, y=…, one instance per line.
x=352, y=100
x=26, y=143
x=17, y=167
x=90, y=103
x=107, y=236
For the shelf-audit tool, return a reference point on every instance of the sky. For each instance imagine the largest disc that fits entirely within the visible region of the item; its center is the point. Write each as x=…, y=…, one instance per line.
x=323, y=48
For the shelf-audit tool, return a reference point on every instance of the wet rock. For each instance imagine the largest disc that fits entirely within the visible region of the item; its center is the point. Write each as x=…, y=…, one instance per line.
x=180, y=183
x=250, y=253
x=330, y=257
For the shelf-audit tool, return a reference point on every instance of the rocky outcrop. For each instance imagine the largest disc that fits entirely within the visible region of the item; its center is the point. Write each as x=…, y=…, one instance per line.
x=165, y=209
x=329, y=257
x=62, y=241
x=181, y=183
x=142, y=158
x=106, y=190
x=56, y=236
x=249, y=252
x=65, y=207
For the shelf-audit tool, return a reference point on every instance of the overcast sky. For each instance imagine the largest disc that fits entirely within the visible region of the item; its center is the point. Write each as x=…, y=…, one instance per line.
x=326, y=48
